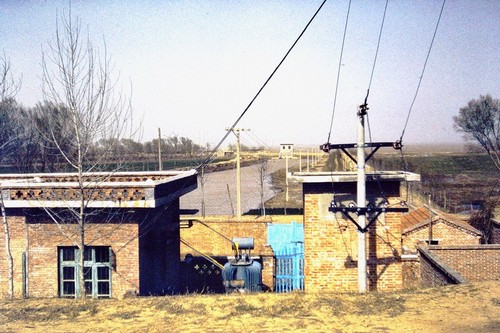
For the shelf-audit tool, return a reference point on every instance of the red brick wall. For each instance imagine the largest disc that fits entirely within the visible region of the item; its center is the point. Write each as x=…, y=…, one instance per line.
x=474, y=263
x=434, y=272
x=330, y=243
x=18, y=246
x=445, y=233
x=45, y=238
x=411, y=271
x=40, y=238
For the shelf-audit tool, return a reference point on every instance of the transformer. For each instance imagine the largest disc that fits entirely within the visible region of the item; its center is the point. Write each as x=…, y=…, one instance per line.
x=242, y=274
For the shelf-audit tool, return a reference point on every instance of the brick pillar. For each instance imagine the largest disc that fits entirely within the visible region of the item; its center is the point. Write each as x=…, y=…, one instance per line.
x=330, y=242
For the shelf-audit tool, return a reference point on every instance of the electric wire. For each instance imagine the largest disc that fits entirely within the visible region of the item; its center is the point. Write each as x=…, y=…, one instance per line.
x=423, y=71
x=338, y=71
x=204, y=255
x=376, y=52
x=208, y=159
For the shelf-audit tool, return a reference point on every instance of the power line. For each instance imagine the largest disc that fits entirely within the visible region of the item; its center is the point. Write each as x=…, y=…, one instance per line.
x=207, y=160
x=423, y=70
x=376, y=52
x=260, y=141
x=338, y=71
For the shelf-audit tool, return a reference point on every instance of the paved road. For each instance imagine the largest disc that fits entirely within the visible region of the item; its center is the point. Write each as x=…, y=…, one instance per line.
x=220, y=201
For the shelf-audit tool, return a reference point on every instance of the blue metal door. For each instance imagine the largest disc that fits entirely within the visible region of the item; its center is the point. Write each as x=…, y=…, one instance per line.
x=287, y=242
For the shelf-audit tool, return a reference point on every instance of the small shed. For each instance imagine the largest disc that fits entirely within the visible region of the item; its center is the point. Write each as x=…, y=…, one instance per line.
x=286, y=150
x=131, y=234
x=447, y=229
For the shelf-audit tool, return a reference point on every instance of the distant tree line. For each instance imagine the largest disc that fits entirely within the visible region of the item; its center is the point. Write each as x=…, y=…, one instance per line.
x=27, y=144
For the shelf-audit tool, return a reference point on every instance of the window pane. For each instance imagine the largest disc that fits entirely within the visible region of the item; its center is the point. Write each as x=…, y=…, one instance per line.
x=102, y=273
x=88, y=287
x=68, y=254
x=87, y=273
x=102, y=254
x=87, y=254
x=103, y=288
x=68, y=288
x=68, y=273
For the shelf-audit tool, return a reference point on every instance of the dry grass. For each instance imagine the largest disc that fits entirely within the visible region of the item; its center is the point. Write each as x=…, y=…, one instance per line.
x=464, y=308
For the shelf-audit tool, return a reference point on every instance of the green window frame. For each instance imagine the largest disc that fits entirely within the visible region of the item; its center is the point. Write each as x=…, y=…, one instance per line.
x=98, y=268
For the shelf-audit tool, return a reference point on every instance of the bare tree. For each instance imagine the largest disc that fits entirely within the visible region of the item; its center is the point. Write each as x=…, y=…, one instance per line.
x=482, y=219
x=9, y=86
x=77, y=78
x=8, y=89
x=202, y=178
x=480, y=121
x=263, y=170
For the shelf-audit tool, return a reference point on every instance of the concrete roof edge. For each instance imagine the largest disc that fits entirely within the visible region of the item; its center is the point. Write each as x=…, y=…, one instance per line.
x=21, y=180
x=349, y=176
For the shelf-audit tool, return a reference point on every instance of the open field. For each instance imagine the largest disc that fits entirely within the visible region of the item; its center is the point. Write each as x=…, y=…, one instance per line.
x=458, y=308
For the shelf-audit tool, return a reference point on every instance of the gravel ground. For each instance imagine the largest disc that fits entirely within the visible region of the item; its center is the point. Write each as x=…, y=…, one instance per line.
x=221, y=201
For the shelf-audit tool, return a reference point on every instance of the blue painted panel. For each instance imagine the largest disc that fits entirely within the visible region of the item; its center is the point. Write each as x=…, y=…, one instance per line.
x=287, y=242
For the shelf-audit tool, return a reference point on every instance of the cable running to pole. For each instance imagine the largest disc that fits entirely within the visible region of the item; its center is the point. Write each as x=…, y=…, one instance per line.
x=338, y=71
x=207, y=160
x=376, y=52
x=369, y=87
x=423, y=70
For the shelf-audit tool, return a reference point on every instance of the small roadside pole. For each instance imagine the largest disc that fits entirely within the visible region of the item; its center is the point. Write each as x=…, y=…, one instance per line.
x=286, y=177
x=237, y=132
x=307, y=160
x=430, y=220
x=300, y=160
x=160, y=168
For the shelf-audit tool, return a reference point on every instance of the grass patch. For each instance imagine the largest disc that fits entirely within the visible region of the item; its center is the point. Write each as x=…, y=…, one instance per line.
x=126, y=315
x=171, y=306
x=50, y=312
x=375, y=304
x=336, y=304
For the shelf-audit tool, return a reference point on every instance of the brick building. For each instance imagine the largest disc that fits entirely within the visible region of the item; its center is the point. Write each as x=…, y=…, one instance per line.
x=447, y=229
x=330, y=240
x=132, y=233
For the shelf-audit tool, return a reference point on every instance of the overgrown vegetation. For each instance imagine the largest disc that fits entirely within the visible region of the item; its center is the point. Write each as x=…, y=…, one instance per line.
x=456, y=182
x=421, y=310
x=47, y=311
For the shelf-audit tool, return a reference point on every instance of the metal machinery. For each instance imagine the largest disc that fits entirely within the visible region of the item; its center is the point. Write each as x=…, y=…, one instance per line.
x=242, y=274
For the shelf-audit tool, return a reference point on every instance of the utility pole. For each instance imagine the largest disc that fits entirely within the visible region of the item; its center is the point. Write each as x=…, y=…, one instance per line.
x=237, y=132
x=361, y=198
x=361, y=209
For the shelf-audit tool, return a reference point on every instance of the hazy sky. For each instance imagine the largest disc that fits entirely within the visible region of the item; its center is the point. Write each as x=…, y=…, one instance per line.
x=195, y=65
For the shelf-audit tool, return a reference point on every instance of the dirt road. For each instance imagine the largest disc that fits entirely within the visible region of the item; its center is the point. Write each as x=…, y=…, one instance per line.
x=220, y=190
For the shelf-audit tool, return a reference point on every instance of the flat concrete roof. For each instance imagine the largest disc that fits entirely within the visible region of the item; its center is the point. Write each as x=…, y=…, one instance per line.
x=101, y=189
x=351, y=176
